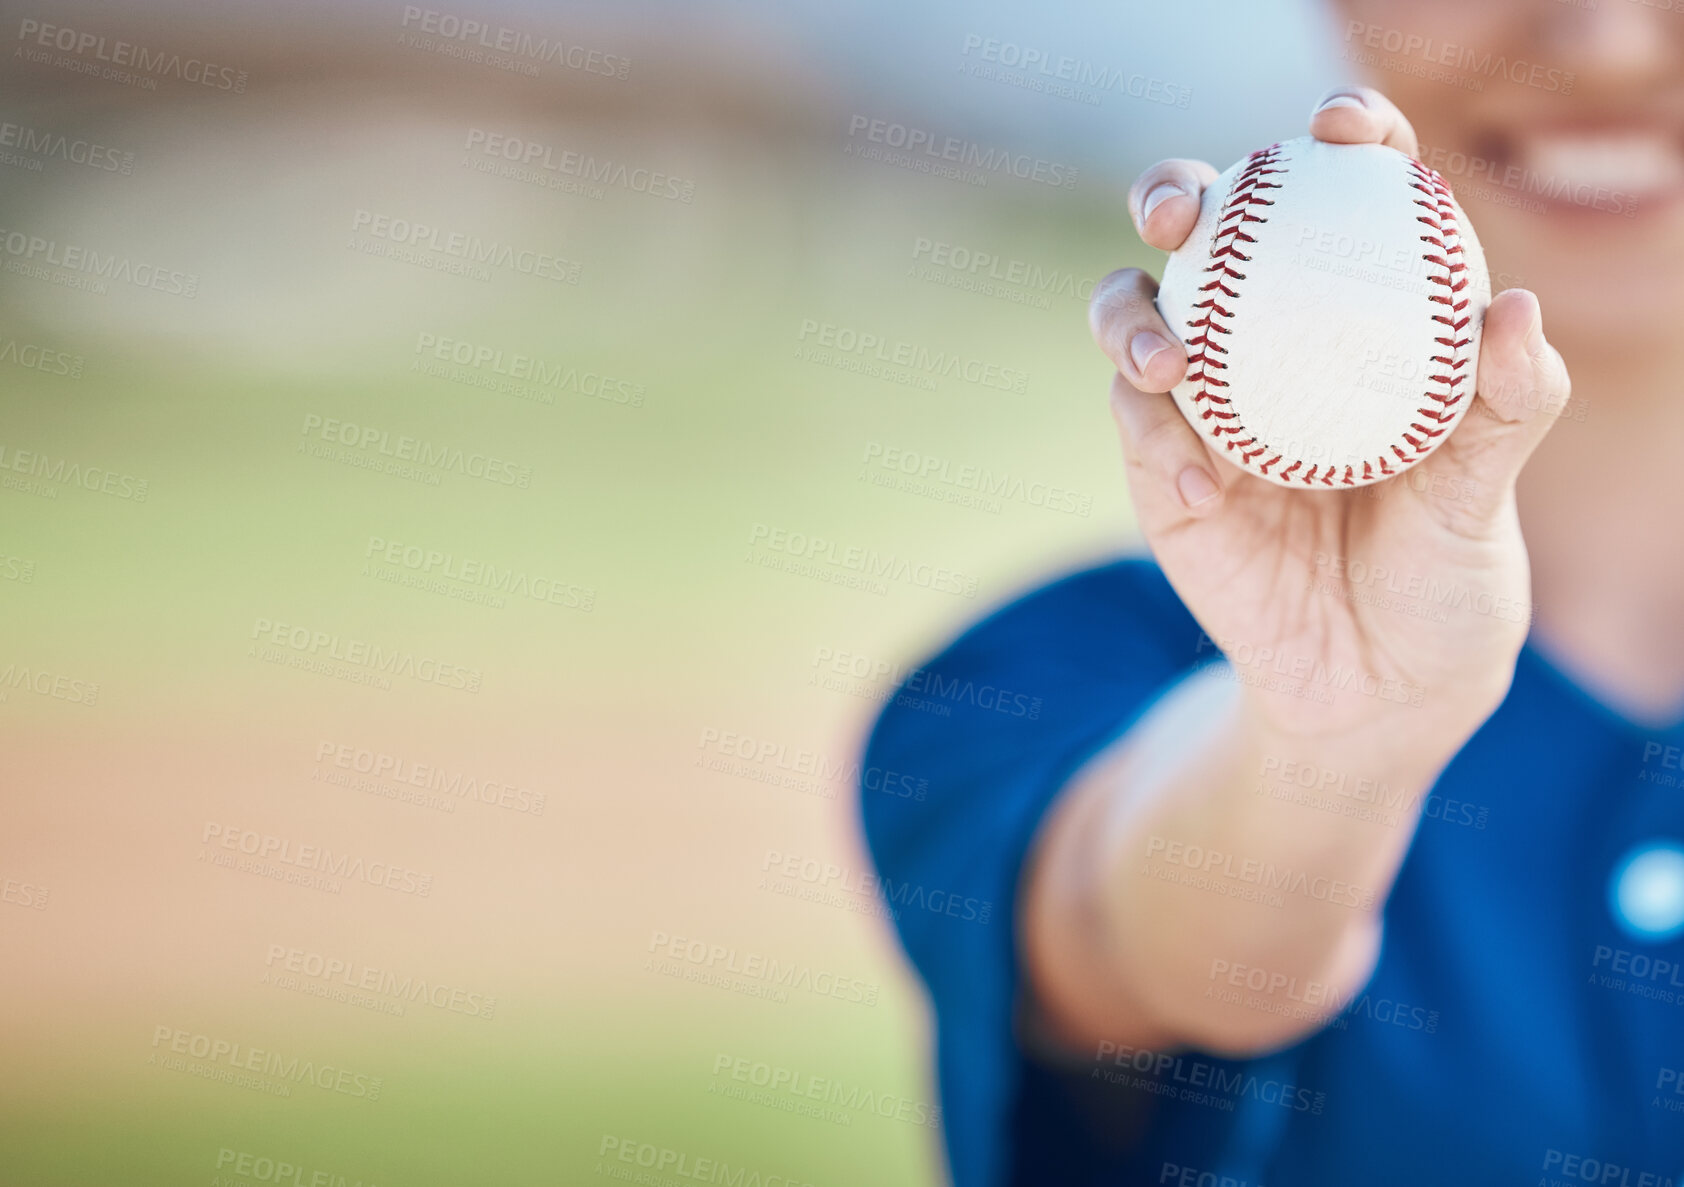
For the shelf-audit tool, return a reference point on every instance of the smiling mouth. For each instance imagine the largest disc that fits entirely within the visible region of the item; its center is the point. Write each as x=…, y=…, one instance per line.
x=1604, y=170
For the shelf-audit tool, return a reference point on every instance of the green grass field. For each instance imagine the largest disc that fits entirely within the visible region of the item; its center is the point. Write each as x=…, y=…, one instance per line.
x=719, y=312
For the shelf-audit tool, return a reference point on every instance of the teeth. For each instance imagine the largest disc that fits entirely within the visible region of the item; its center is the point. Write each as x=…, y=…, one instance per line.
x=1629, y=162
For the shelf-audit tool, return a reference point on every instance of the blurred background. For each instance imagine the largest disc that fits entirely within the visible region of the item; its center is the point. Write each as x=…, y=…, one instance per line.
x=469, y=477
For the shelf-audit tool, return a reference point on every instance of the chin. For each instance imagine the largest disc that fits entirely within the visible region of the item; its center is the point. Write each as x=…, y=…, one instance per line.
x=1615, y=276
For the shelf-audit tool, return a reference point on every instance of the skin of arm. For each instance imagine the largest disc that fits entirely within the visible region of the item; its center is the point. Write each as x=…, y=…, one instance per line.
x=1150, y=883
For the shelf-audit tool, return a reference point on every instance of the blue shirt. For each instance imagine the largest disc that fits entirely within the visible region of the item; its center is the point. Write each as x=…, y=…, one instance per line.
x=1515, y=1030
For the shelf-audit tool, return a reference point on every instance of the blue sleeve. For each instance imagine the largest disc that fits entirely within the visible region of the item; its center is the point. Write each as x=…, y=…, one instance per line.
x=991, y=729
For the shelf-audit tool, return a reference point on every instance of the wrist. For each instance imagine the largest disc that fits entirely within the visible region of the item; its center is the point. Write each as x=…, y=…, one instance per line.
x=1398, y=745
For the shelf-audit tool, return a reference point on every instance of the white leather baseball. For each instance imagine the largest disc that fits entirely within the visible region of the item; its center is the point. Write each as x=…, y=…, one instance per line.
x=1330, y=298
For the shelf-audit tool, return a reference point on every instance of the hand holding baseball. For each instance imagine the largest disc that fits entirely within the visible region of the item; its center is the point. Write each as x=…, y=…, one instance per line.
x=1283, y=579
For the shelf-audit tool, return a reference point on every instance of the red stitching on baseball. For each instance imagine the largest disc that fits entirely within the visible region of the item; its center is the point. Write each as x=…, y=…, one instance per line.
x=1446, y=237
x=1204, y=347
x=1450, y=257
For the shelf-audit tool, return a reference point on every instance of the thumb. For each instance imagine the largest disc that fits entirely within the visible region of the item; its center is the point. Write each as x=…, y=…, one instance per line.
x=1522, y=389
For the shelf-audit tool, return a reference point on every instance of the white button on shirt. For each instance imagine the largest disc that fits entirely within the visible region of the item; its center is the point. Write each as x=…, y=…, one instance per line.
x=1646, y=892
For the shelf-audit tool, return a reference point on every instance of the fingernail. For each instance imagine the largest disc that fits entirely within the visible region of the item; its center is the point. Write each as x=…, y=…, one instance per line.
x=1144, y=347
x=1535, y=335
x=1161, y=193
x=1332, y=101
x=1196, y=486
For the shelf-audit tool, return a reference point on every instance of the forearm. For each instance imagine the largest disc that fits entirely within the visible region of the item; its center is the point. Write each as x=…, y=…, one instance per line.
x=1168, y=867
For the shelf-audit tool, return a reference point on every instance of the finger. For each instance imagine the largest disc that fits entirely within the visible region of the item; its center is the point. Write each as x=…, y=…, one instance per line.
x=1362, y=115
x=1164, y=201
x=1169, y=469
x=1125, y=323
x=1523, y=387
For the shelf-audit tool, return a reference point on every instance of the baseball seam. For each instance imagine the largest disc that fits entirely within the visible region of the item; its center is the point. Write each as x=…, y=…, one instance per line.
x=1448, y=308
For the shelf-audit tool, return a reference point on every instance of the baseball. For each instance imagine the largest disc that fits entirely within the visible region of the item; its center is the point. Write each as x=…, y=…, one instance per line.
x=1330, y=298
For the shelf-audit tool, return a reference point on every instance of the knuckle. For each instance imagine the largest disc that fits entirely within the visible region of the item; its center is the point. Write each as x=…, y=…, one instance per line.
x=1118, y=394
x=1164, y=441
x=1121, y=294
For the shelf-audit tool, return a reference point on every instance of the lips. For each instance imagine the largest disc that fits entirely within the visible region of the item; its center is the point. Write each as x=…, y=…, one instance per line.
x=1611, y=170
x=1635, y=163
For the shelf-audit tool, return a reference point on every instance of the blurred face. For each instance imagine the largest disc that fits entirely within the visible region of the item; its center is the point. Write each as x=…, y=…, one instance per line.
x=1560, y=125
